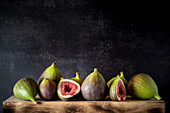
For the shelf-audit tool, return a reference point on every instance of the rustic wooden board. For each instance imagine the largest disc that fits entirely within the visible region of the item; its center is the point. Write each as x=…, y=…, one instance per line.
x=14, y=105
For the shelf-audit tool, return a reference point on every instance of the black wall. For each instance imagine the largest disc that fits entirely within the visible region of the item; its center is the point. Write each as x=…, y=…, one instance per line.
x=81, y=35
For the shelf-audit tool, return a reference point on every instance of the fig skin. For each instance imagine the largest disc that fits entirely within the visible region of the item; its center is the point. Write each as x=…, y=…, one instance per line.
x=26, y=89
x=48, y=90
x=123, y=79
x=121, y=76
x=142, y=86
x=51, y=73
x=94, y=87
x=113, y=89
x=110, y=82
x=78, y=79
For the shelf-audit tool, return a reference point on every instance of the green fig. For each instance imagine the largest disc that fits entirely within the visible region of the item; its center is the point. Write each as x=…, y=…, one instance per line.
x=121, y=76
x=26, y=89
x=48, y=89
x=142, y=86
x=68, y=89
x=117, y=90
x=51, y=73
x=78, y=79
x=110, y=82
x=94, y=86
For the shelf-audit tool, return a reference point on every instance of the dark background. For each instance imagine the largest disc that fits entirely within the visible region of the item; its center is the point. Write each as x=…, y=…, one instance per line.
x=81, y=35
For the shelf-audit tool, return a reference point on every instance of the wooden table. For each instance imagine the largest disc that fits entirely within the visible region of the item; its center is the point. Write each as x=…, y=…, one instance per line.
x=14, y=105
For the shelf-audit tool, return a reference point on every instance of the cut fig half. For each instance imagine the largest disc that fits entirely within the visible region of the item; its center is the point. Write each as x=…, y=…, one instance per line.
x=67, y=89
x=120, y=90
x=117, y=90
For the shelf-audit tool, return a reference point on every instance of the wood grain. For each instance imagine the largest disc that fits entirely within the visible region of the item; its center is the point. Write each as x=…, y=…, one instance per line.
x=14, y=105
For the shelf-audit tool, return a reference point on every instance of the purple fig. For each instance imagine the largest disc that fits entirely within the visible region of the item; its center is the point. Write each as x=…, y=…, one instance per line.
x=94, y=86
x=48, y=89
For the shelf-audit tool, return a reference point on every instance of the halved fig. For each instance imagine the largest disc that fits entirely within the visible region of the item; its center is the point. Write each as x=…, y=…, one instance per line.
x=67, y=89
x=117, y=90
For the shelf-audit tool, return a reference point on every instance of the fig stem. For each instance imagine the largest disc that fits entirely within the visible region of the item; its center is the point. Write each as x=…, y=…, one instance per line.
x=61, y=78
x=77, y=75
x=121, y=73
x=54, y=63
x=157, y=97
x=123, y=78
x=33, y=100
x=95, y=70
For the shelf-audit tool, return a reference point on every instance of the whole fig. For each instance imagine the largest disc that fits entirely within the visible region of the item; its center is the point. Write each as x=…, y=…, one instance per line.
x=48, y=89
x=26, y=89
x=94, y=86
x=142, y=86
x=51, y=73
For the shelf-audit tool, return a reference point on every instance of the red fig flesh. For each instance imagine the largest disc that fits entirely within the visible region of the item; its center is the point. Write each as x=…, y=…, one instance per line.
x=117, y=90
x=67, y=89
x=121, y=92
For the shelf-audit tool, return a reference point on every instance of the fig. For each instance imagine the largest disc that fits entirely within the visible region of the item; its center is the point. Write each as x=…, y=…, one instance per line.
x=94, y=87
x=78, y=79
x=26, y=89
x=121, y=76
x=110, y=82
x=117, y=89
x=51, y=73
x=48, y=89
x=68, y=89
x=142, y=86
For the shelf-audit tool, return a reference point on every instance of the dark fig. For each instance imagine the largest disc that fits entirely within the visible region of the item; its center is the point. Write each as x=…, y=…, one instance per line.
x=51, y=73
x=26, y=89
x=94, y=86
x=68, y=89
x=47, y=89
x=77, y=78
